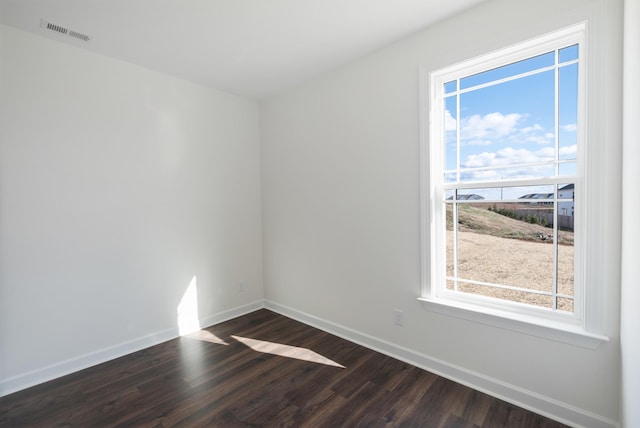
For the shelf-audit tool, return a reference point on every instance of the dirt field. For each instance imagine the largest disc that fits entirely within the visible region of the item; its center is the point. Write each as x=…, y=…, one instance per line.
x=521, y=263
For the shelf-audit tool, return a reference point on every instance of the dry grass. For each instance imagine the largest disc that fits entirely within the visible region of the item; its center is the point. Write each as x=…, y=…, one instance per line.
x=497, y=249
x=487, y=222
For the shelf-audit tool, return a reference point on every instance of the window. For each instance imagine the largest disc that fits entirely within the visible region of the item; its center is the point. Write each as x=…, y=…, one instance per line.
x=504, y=207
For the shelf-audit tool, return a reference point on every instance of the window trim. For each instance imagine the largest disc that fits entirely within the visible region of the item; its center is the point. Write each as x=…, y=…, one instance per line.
x=533, y=326
x=579, y=328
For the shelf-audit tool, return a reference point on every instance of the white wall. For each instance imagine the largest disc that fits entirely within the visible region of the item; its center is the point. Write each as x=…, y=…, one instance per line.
x=118, y=185
x=340, y=173
x=630, y=313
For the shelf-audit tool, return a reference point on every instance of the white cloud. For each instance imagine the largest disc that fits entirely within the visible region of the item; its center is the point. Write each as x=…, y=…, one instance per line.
x=502, y=158
x=515, y=140
x=569, y=150
x=539, y=139
x=492, y=125
x=449, y=122
x=530, y=129
x=496, y=127
x=508, y=156
x=479, y=142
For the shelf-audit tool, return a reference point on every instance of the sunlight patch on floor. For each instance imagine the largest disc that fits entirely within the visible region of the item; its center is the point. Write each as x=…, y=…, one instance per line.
x=286, y=351
x=206, y=336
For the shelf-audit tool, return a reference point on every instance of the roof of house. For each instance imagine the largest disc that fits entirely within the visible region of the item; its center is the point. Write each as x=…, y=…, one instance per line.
x=537, y=196
x=471, y=197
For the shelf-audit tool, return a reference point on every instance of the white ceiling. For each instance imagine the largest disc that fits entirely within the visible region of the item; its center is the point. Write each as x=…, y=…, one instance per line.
x=254, y=48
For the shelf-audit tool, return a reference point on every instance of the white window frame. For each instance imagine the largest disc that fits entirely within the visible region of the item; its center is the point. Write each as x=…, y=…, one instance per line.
x=575, y=328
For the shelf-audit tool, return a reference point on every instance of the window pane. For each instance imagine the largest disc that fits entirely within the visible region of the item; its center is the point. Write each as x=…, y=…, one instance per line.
x=568, y=111
x=565, y=269
x=495, y=174
x=565, y=304
x=566, y=197
x=508, y=124
x=448, y=195
x=569, y=53
x=450, y=242
x=567, y=169
x=540, y=61
x=510, y=295
x=491, y=196
x=450, y=127
x=511, y=245
x=450, y=87
x=450, y=177
x=536, y=196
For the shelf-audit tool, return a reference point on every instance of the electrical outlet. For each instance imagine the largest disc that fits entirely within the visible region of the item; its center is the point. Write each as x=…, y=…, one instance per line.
x=398, y=317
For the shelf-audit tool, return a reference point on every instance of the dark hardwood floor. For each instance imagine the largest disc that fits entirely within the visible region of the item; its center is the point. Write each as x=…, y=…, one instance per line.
x=261, y=369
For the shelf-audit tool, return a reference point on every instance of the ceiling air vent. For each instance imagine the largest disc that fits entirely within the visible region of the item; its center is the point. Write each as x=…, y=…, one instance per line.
x=63, y=30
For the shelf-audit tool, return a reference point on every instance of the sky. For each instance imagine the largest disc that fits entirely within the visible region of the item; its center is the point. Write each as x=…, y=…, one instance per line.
x=514, y=122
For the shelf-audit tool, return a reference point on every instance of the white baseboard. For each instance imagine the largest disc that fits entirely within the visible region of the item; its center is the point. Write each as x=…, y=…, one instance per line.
x=231, y=313
x=553, y=409
x=62, y=368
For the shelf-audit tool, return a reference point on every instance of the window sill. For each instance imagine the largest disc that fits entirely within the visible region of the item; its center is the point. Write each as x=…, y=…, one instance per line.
x=533, y=326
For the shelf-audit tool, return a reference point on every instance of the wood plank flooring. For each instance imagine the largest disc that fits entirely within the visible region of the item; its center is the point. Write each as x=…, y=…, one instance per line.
x=261, y=369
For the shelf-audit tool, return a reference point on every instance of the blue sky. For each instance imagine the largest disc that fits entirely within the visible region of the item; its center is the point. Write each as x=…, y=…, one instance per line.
x=514, y=122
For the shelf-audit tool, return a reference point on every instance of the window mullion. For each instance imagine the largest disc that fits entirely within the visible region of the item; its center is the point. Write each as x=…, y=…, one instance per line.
x=454, y=227
x=556, y=115
x=458, y=120
x=556, y=238
x=508, y=183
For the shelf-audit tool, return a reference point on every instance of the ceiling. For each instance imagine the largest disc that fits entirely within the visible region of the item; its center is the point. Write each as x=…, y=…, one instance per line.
x=253, y=48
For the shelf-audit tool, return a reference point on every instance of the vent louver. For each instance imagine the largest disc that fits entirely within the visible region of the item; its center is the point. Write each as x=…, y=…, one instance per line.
x=63, y=30
x=77, y=35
